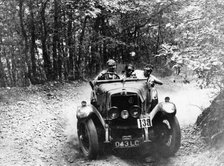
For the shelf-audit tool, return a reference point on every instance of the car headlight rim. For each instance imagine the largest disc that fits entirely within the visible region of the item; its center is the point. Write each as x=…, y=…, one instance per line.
x=135, y=111
x=113, y=113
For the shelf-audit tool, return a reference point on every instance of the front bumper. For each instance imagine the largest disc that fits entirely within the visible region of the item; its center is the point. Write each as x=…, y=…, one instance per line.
x=128, y=138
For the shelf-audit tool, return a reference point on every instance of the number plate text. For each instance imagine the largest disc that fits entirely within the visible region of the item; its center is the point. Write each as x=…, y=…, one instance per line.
x=145, y=122
x=127, y=143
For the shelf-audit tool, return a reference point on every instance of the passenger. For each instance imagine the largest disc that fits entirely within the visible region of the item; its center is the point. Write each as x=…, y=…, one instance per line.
x=145, y=73
x=151, y=79
x=148, y=70
x=128, y=71
x=109, y=73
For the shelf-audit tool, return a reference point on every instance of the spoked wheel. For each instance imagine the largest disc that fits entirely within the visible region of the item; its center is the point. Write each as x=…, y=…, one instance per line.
x=88, y=139
x=168, y=136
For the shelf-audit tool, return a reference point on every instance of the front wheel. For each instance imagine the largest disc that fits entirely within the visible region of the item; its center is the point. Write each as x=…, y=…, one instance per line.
x=88, y=139
x=168, y=136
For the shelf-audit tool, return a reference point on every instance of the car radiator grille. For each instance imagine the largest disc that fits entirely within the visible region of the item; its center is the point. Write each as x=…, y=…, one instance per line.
x=125, y=127
x=124, y=103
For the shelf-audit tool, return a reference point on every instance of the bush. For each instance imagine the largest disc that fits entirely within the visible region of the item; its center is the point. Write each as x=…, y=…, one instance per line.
x=211, y=121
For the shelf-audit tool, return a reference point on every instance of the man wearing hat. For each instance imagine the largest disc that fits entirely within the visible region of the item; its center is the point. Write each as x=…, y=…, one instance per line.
x=110, y=72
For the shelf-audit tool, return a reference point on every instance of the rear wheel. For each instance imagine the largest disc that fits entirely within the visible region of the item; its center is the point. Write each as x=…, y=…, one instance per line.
x=88, y=139
x=168, y=136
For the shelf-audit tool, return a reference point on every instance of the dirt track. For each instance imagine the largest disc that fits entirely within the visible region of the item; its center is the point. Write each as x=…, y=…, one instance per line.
x=38, y=127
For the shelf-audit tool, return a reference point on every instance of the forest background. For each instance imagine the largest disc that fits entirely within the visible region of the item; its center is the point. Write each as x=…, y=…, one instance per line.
x=47, y=40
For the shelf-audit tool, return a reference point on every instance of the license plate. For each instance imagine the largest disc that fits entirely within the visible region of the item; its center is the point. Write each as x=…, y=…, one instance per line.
x=144, y=122
x=127, y=143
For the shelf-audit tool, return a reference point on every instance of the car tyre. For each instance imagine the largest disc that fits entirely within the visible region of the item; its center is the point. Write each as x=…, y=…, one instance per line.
x=88, y=139
x=168, y=136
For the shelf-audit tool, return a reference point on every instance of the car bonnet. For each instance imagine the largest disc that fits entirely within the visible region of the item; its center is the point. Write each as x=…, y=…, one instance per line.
x=138, y=87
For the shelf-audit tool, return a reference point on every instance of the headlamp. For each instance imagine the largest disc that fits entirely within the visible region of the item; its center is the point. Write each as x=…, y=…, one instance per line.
x=113, y=113
x=135, y=111
x=124, y=114
x=169, y=107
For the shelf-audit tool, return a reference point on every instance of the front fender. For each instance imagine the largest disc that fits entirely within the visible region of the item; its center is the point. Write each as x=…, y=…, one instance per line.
x=84, y=112
x=167, y=108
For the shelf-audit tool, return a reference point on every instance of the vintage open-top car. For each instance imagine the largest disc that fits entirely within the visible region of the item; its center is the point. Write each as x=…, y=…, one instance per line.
x=125, y=113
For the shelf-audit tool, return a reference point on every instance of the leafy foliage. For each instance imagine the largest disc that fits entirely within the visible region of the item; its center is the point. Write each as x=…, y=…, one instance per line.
x=69, y=39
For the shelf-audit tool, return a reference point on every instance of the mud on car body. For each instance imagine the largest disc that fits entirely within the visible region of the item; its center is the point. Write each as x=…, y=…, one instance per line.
x=125, y=114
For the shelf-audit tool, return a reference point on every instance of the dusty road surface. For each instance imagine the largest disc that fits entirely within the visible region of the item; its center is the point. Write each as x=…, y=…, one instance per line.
x=38, y=127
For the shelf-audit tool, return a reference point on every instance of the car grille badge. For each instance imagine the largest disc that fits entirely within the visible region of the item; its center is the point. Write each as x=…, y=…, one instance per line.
x=126, y=137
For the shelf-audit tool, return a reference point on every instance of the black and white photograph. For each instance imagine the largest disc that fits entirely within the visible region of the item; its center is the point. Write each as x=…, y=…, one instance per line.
x=111, y=83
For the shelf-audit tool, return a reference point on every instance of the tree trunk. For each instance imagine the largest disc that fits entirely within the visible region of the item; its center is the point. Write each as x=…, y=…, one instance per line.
x=94, y=48
x=2, y=75
x=44, y=33
x=70, y=46
x=159, y=34
x=55, y=41
x=9, y=71
x=32, y=44
x=78, y=72
x=3, y=78
x=60, y=61
x=14, y=66
x=25, y=58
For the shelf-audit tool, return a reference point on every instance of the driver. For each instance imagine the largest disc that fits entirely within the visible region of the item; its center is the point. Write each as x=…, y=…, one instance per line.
x=109, y=73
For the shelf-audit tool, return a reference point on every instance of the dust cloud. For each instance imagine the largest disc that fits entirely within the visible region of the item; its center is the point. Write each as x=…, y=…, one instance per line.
x=190, y=100
x=69, y=111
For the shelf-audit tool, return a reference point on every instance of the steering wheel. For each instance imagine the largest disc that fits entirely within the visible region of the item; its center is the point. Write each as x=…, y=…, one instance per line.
x=107, y=75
